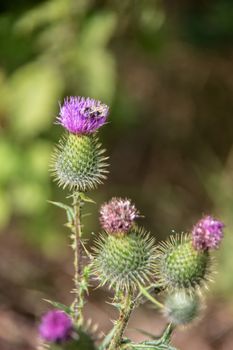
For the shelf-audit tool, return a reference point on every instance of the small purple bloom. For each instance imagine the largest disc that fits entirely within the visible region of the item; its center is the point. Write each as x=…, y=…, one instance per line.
x=55, y=326
x=207, y=233
x=82, y=116
x=118, y=215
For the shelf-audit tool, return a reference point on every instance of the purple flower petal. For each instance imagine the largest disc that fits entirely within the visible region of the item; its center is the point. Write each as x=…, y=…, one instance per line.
x=55, y=326
x=118, y=215
x=80, y=115
x=207, y=233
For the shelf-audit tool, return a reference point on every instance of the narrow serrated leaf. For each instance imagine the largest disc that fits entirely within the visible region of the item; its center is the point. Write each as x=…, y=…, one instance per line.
x=150, y=297
x=149, y=347
x=69, y=210
x=85, y=198
x=59, y=306
x=86, y=215
x=148, y=334
x=105, y=343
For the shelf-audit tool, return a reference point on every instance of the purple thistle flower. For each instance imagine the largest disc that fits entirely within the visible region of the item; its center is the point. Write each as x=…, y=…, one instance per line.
x=118, y=215
x=80, y=115
x=55, y=326
x=207, y=233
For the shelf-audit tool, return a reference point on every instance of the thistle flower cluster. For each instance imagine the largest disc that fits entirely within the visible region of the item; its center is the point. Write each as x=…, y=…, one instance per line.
x=55, y=327
x=125, y=256
x=118, y=215
x=207, y=233
x=82, y=116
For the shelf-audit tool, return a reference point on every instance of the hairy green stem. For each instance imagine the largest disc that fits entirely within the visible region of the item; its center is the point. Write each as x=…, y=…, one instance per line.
x=121, y=323
x=77, y=305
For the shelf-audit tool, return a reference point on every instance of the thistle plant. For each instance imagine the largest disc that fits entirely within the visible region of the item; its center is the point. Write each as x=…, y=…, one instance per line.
x=125, y=257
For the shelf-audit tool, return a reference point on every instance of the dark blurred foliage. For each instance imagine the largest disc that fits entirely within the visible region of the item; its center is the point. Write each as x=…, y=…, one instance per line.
x=166, y=70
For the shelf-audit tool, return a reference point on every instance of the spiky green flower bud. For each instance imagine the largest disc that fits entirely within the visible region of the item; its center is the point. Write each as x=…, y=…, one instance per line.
x=78, y=162
x=180, y=266
x=181, y=308
x=123, y=261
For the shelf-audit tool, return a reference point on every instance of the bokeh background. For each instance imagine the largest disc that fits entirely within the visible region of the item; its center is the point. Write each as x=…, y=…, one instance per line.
x=166, y=70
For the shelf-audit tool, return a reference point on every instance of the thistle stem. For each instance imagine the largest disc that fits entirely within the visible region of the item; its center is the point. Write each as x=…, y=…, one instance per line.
x=77, y=305
x=122, y=322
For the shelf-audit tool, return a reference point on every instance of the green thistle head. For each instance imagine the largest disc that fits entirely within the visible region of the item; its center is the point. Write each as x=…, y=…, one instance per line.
x=124, y=261
x=180, y=266
x=78, y=162
x=181, y=308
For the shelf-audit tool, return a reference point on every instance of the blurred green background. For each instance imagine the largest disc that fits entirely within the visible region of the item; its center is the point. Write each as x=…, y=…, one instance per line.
x=166, y=70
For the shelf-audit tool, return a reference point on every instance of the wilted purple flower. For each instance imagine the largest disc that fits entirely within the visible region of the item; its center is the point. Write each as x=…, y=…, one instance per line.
x=207, y=233
x=80, y=115
x=118, y=215
x=55, y=326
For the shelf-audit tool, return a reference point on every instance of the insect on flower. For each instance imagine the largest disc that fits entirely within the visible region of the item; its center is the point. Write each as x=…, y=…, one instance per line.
x=96, y=112
x=82, y=116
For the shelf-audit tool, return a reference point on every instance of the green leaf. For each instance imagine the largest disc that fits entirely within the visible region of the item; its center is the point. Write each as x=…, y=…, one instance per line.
x=166, y=336
x=107, y=340
x=34, y=90
x=46, y=12
x=148, y=347
x=152, y=345
x=59, y=306
x=69, y=210
x=118, y=306
x=85, y=198
x=158, y=343
x=98, y=30
x=148, y=334
x=86, y=215
x=149, y=297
